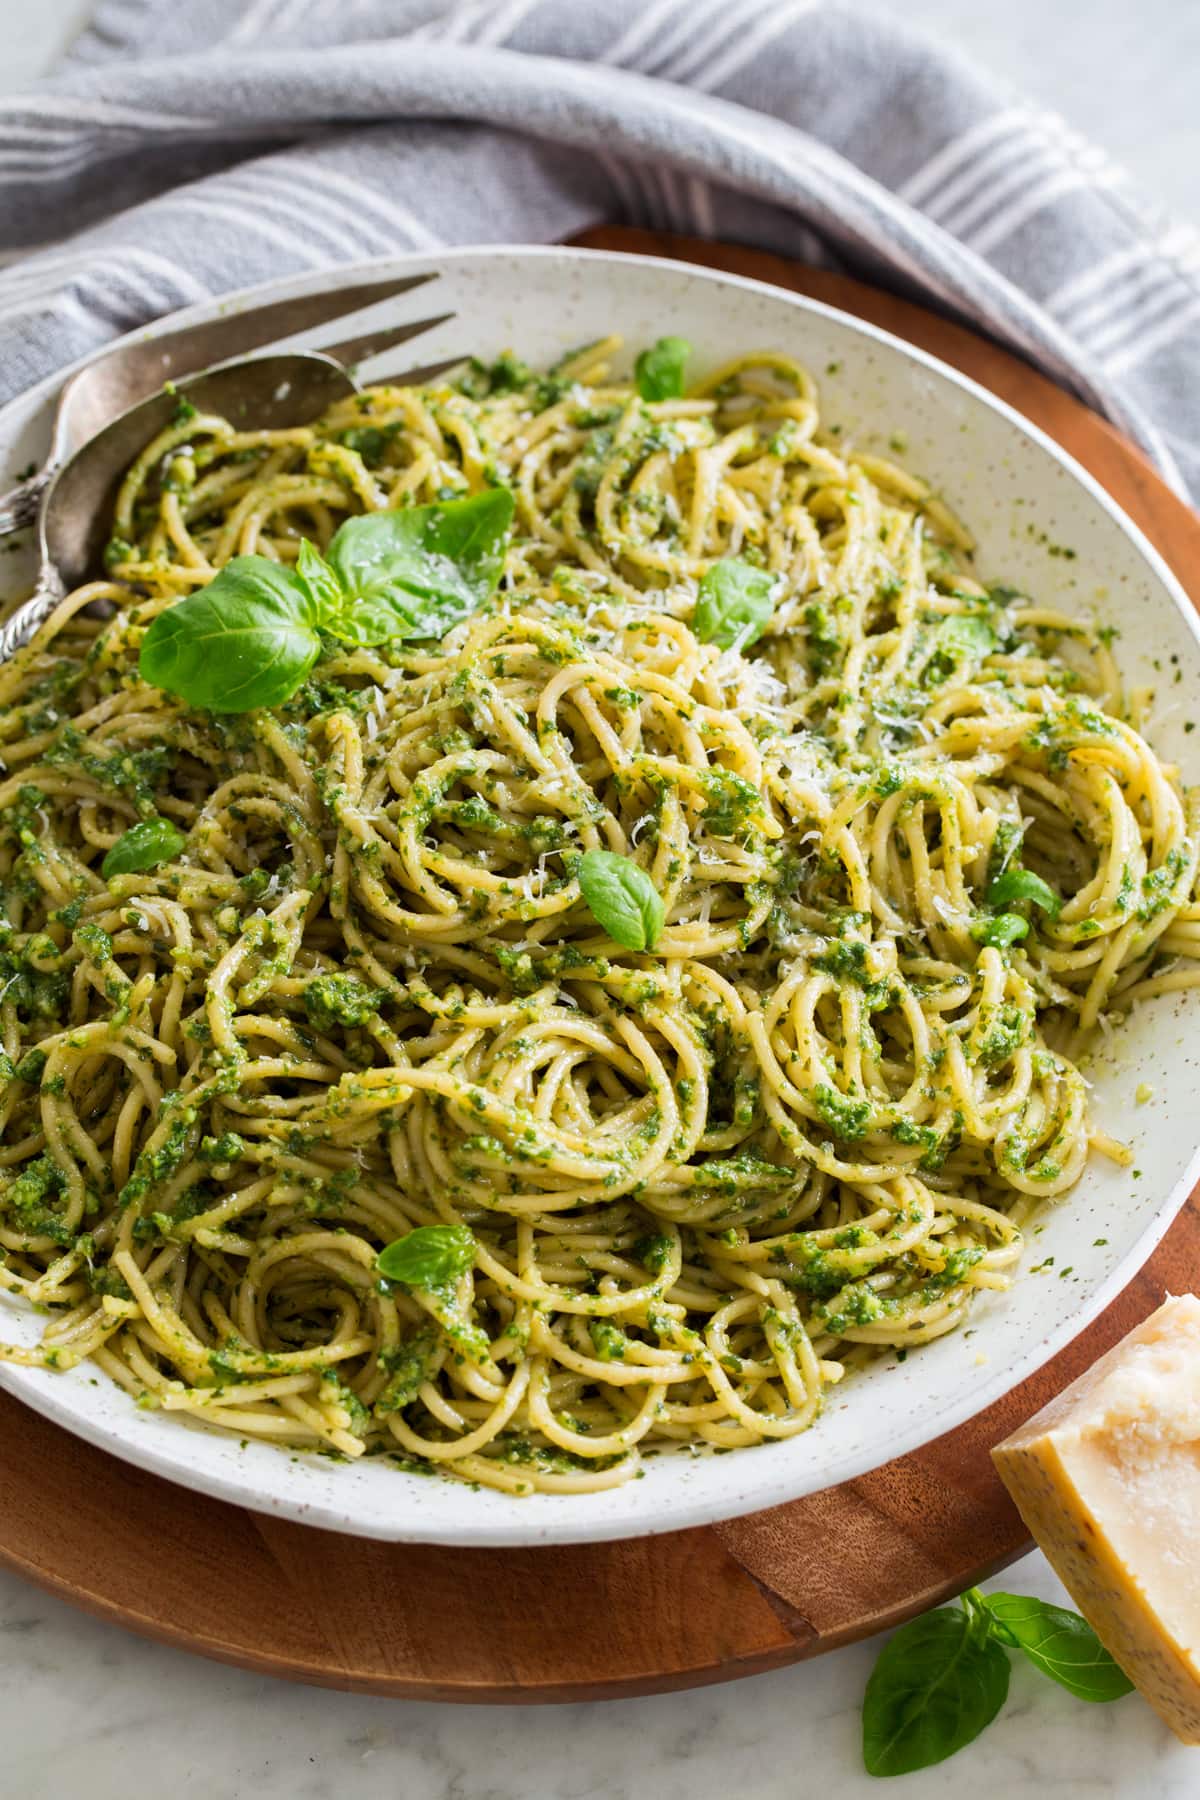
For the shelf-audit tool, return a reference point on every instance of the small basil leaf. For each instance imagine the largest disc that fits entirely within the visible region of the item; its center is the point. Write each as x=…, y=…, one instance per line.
x=734, y=604
x=1000, y=930
x=432, y=1256
x=1023, y=884
x=246, y=640
x=1061, y=1645
x=967, y=636
x=143, y=846
x=961, y=643
x=935, y=1687
x=419, y=570
x=323, y=585
x=621, y=898
x=659, y=370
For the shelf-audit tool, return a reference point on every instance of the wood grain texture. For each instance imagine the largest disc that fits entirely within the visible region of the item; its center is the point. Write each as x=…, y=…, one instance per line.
x=601, y=1620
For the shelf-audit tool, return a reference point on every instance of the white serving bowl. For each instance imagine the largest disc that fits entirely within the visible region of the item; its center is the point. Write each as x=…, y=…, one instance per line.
x=1025, y=500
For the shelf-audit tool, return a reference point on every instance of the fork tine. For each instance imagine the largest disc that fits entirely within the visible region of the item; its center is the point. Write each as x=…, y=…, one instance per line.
x=374, y=343
x=262, y=325
x=422, y=373
x=118, y=379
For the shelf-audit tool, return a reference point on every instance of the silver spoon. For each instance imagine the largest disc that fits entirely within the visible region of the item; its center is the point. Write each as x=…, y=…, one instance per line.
x=262, y=393
x=117, y=379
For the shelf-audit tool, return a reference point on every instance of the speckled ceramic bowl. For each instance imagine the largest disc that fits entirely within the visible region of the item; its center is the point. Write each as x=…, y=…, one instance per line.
x=1026, y=501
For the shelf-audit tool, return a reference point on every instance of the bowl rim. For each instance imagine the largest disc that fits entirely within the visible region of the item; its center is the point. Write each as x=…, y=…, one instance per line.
x=528, y=1526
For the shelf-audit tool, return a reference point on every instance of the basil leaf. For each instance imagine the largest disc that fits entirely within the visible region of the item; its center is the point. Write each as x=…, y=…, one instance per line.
x=431, y=1256
x=323, y=585
x=621, y=898
x=659, y=370
x=143, y=846
x=1060, y=1644
x=1023, y=884
x=251, y=636
x=246, y=640
x=419, y=570
x=935, y=1687
x=1000, y=930
x=966, y=636
x=961, y=643
x=734, y=604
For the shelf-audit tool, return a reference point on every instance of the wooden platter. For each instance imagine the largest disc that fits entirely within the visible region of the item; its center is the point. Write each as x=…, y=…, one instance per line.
x=604, y=1620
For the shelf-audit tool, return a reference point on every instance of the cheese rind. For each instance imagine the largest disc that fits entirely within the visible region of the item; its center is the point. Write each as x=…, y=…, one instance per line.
x=1107, y=1478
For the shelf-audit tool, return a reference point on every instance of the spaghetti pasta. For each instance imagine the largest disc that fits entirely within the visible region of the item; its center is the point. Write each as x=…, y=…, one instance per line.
x=909, y=848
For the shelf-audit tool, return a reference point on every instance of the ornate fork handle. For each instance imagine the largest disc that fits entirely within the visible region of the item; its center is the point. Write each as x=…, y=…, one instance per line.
x=16, y=631
x=19, y=506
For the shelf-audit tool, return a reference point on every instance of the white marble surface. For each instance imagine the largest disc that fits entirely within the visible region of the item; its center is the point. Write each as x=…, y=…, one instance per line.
x=86, y=1708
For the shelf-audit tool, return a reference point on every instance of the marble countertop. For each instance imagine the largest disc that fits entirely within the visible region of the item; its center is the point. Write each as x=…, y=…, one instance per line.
x=87, y=1708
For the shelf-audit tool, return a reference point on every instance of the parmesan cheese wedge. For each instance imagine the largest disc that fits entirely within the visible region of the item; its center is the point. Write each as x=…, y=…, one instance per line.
x=1107, y=1478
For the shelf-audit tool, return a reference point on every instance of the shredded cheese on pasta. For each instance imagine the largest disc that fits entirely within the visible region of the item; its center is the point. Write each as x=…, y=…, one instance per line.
x=705, y=1181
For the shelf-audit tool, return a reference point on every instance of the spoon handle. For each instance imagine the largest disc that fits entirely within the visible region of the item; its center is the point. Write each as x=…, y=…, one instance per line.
x=17, y=630
x=19, y=506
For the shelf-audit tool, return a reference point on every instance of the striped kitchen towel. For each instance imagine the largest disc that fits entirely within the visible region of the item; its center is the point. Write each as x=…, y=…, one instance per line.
x=183, y=151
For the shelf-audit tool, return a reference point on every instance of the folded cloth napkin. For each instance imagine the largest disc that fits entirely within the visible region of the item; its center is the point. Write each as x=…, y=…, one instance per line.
x=184, y=151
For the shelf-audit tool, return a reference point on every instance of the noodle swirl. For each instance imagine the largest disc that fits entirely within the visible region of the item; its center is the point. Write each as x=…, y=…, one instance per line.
x=704, y=1182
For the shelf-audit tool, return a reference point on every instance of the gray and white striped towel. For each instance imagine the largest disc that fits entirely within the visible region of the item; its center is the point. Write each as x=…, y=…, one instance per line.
x=187, y=150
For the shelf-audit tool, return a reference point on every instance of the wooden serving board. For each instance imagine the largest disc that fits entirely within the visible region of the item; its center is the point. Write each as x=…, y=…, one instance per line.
x=603, y=1620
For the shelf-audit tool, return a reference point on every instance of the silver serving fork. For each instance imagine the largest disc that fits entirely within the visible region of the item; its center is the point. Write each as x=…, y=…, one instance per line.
x=73, y=502
x=115, y=380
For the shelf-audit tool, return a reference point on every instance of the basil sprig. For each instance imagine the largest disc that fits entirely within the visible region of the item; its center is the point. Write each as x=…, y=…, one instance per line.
x=431, y=1256
x=734, y=604
x=143, y=846
x=621, y=898
x=942, y=1678
x=250, y=637
x=659, y=370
